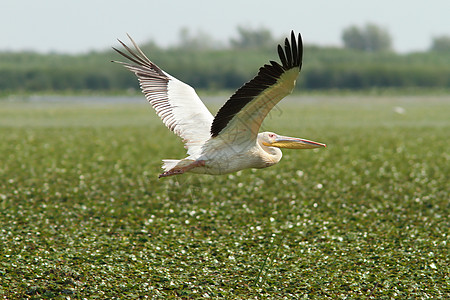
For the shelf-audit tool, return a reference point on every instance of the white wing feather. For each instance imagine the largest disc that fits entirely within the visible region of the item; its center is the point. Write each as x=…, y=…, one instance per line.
x=175, y=102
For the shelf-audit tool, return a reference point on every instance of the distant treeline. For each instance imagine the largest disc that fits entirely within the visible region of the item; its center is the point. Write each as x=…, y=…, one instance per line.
x=226, y=68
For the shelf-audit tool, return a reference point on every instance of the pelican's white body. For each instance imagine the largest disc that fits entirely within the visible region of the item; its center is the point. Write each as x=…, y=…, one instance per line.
x=222, y=157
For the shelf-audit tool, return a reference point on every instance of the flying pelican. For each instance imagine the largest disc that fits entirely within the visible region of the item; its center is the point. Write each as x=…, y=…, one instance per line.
x=230, y=141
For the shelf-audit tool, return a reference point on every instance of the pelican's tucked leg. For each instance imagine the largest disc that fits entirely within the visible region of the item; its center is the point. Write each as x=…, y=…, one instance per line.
x=181, y=170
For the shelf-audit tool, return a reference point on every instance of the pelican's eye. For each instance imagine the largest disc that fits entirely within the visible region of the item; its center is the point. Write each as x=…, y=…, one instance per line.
x=272, y=135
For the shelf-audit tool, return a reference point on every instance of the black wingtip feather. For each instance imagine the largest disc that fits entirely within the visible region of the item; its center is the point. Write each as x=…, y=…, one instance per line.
x=287, y=48
x=294, y=48
x=282, y=56
x=138, y=57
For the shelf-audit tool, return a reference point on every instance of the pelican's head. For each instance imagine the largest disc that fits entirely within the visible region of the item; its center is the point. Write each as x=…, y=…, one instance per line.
x=271, y=139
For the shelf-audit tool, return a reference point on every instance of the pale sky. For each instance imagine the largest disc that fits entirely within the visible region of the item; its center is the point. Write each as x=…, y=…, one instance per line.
x=84, y=25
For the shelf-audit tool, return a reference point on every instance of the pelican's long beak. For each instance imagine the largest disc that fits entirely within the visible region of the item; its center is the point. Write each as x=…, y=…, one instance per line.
x=295, y=143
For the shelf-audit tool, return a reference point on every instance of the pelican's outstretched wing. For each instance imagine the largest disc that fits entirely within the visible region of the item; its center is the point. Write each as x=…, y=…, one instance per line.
x=241, y=116
x=175, y=102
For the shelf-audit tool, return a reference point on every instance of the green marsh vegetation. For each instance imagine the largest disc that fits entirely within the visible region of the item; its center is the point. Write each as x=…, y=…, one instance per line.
x=83, y=214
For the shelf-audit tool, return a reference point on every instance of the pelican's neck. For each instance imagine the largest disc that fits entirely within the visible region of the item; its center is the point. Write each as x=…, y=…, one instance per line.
x=271, y=155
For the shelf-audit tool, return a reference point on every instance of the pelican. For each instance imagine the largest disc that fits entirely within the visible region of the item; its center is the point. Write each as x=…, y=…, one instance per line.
x=230, y=141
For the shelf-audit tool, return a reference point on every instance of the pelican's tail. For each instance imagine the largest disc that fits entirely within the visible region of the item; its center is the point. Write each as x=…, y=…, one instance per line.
x=169, y=164
x=176, y=167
